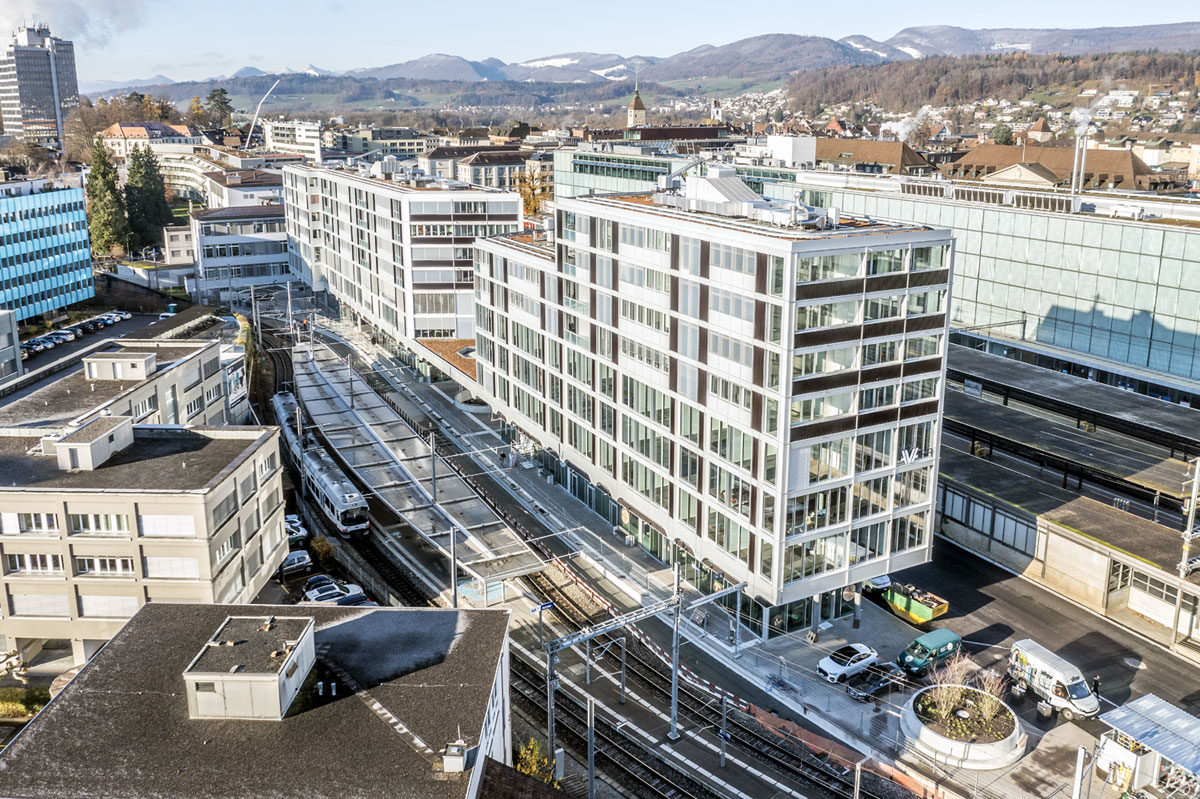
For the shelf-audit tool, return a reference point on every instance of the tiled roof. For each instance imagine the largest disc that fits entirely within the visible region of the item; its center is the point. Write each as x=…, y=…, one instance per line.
x=1120, y=167
x=896, y=155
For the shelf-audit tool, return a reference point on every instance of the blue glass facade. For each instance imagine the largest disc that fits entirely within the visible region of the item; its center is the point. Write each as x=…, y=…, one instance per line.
x=45, y=254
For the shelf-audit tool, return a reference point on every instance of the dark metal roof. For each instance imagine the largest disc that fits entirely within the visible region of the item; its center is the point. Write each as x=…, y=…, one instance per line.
x=239, y=212
x=1159, y=725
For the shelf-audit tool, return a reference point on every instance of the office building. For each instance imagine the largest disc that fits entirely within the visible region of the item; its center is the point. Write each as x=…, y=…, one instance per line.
x=38, y=87
x=45, y=253
x=121, y=137
x=227, y=702
x=234, y=188
x=396, y=254
x=495, y=170
x=745, y=387
x=373, y=142
x=293, y=136
x=237, y=248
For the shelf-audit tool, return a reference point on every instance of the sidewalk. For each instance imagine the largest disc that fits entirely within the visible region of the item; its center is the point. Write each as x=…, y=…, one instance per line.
x=631, y=577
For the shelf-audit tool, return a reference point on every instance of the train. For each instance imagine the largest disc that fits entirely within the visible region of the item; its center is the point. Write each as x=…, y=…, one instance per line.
x=325, y=484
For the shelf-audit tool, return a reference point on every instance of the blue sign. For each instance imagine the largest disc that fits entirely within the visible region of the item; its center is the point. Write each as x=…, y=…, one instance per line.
x=724, y=736
x=541, y=607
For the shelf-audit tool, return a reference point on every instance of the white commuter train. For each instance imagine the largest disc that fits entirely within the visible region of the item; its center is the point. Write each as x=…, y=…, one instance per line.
x=324, y=483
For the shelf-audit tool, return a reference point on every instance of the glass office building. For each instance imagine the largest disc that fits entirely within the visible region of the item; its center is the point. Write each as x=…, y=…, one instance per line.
x=38, y=86
x=45, y=255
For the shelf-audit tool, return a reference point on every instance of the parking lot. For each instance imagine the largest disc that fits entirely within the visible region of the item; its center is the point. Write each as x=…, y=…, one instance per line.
x=124, y=329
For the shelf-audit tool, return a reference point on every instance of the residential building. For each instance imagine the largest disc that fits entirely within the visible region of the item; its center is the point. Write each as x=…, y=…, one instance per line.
x=375, y=142
x=748, y=388
x=121, y=137
x=10, y=350
x=293, y=136
x=38, y=87
x=494, y=170
x=179, y=248
x=239, y=247
x=235, y=188
x=227, y=701
x=1103, y=169
x=45, y=252
x=442, y=162
x=395, y=254
x=104, y=517
x=870, y=156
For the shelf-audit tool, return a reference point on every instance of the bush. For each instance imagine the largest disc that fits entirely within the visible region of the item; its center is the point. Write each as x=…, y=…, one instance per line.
x=322, y=550
x=19, y=701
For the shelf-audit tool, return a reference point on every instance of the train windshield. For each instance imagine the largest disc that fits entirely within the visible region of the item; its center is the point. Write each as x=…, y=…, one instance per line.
x=354, y=517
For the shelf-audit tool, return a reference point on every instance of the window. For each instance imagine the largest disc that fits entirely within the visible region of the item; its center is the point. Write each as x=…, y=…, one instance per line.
x=99, y=523
x=871, y=496
x=33, y=563
x=868, y=542
x=113, y=607
x=729, y=535
x=917, y=390
x=645, y=480
x=828, y=267
x=40, y=605
x=108, y=567
x=873, y=451
x=829, y=460
x=177, y=568
x=813, y=408
x=731, y=444
x=224, y=509
x=729, y=489
x=194, y=407
x=811, y=558
x=267, y=465
x=688, y=509
x=908, y=532
x=731, y=303
x=877, y=397
x=37, y=522
x=881, y=263
x=817, y=509
x=829, y=314
x=735, y=259
x=824, y=361
x=731, y=349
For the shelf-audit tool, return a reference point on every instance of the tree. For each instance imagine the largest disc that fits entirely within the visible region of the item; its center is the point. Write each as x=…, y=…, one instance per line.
x=145, y=197
x=107, y=225
x=531, y=761
x=196, y=115
x=535, y=187
x=219, y=106
x=1002, y=134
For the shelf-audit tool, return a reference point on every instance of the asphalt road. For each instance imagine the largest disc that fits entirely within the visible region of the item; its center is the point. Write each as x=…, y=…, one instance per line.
x=991, y=608
x=121, y=329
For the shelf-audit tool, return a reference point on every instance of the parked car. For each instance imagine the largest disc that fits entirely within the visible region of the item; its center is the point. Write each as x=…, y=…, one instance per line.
x=32, y=346
x=876, y=681
x=877, y=584
x=929, y=650
x=291, y=518
x=76, y=330
x=1052, y=679
x=59, y=337
x=329, y=594
x=359, y=600
x=844, y=662
x=297, y=538
x=47, y=344
x=89, y=326
x=24, y=354
x=318, y=580
x=122, y=314
x=297, y=563
x=100, y=321
x=165, y=315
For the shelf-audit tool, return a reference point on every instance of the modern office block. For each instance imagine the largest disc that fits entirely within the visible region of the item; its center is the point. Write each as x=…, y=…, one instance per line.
x=45, y=253
x=37, y=86
x=745, y=387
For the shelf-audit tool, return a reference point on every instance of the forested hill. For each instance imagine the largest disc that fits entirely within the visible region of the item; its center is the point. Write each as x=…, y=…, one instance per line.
x=948, y=80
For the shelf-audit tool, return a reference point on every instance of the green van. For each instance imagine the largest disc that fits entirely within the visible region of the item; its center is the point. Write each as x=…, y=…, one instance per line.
x=928, y=651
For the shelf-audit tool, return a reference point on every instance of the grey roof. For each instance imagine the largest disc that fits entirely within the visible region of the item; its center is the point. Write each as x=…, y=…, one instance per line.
x=1159, y=725
x=253, y=639
x=160, y=459
x=120, y=729
x=270, y=210
x=93, y=429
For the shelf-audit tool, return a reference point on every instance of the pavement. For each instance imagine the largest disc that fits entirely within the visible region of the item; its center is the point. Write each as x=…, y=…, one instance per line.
x=986, y=603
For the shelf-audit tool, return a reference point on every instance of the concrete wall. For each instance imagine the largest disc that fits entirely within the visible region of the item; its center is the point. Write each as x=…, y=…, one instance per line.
x=1072, y=569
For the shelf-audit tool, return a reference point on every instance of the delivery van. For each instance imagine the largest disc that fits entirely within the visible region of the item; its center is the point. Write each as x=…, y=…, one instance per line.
x=928, y=651
x=1052, y=679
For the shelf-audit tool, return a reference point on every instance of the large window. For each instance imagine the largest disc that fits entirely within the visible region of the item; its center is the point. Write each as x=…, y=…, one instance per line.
x=37, y=522
x=33, y=564
x=908, y=532
x=829, y=460
x=828, y=267
x=729, y=535
x=811, y=558
x=807, y=410
x=829, y=314
x=824, y=361
x=731, y=443
x=817, y=509
x=99, y=523
x=105, y=567
x=729, y=489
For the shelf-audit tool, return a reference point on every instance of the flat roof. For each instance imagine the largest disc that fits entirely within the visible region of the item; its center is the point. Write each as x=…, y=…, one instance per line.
x=1158, y=725
x=271, y=210
x=94, y=428
x=1156, y=544
x=120, y=728
x=1034, y=435
x=160, y=459
x=243, y=644
x=1125, y=411
x=67, y=395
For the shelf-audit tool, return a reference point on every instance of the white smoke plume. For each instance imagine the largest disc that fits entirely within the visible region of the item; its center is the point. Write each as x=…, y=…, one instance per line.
x=902, y=129
x=89, y=22
x=1080, y=117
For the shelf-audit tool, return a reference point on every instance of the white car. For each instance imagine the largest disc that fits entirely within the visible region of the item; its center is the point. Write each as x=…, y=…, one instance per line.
x=331, y=593
x=877, y=584
x=292, y=520
x=844, y=662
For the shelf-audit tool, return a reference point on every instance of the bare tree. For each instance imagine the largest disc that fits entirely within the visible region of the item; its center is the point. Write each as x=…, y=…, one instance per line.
x=949, y=681
x=991, y=685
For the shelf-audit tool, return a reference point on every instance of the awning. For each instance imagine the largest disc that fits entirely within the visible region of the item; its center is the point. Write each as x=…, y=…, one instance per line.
x=1162, y=727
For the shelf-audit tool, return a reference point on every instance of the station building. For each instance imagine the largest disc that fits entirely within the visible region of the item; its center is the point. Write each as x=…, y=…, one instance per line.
x=747, y=388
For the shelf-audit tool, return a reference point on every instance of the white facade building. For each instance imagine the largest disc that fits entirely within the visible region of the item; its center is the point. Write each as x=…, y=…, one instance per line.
x=239, y=247
x=293, y=136
x=748, y=388
x=396, y=253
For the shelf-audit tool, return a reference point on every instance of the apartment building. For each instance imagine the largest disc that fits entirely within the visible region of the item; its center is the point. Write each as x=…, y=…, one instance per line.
x=748, y=388
x=45, y=252
x=100, y=519
x=121, y=137
x=293, y=136
x=396, y=254
x=375, y=142
x=10, y=351
x=496, y=170
x=234, y=188
x=237, y=248
x=38, y=87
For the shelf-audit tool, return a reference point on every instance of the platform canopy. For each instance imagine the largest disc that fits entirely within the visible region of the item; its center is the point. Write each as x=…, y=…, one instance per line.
x=1162, y=727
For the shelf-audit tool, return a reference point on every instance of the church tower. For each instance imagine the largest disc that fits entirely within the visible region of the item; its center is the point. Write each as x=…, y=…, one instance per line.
x=635, y=117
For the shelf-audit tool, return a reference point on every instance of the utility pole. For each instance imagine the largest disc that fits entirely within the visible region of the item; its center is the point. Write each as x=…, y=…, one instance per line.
x=724, y=736
x=454, y=568
x=591, y=748
x=1189, y=534
x=674, y=732
x=289, y=310
x=432, y=470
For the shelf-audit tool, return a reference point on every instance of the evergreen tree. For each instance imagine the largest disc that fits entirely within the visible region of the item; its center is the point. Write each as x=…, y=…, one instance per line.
x=219, y=106
x=145, y=197
x=107, y=225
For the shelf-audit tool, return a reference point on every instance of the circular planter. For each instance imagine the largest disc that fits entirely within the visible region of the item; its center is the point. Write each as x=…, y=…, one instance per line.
x=961, y=754
x=463, y=401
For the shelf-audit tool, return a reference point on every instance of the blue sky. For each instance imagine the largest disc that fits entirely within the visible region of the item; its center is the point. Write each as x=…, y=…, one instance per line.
x=192, y=39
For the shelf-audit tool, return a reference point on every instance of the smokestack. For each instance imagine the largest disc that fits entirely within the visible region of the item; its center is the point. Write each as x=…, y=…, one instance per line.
x=1075, y=164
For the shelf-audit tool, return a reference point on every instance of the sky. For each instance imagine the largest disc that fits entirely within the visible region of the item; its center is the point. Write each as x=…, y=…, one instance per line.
x=197, y=39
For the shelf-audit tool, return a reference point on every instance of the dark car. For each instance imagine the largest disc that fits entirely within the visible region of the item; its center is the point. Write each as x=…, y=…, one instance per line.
x=876, y=681
x=89, y=326
x=356, y=600
x=316, y=581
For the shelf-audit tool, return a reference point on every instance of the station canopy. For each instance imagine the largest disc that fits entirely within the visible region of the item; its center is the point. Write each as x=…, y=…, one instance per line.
x=1158, y=725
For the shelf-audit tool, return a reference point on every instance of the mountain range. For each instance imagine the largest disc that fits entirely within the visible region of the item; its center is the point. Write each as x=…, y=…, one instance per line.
x=760, y=58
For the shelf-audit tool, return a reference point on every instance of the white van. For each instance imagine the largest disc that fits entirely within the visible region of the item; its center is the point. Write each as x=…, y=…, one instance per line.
x=1033, y=667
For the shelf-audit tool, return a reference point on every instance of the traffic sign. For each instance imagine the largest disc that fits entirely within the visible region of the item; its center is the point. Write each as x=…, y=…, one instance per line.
x=724, y=736
x=541, y=607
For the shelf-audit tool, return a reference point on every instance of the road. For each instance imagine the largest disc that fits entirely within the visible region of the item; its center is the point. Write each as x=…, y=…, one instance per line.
x=124, y=329
x=991, y=608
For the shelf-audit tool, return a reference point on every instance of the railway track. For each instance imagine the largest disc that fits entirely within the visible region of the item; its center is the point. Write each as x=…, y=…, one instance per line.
x=647, y=774
x=705, y=711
